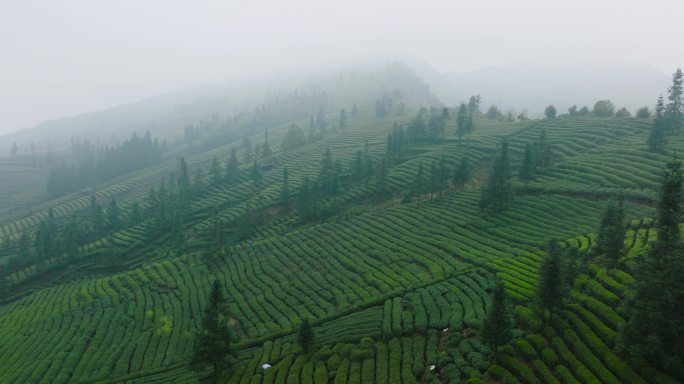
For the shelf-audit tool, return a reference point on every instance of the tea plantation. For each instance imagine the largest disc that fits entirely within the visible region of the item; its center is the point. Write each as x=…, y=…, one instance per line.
x=397, y=288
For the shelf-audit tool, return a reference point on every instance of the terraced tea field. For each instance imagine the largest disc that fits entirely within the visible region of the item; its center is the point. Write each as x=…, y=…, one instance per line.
x=397, y=291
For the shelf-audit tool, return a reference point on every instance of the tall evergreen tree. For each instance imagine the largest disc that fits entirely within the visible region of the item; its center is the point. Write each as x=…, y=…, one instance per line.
x=463, y=173
x=266, y=150
x=343, y=118
x=673, y=111
x=215, y=171
x=442, y=175
x=656, y=139
x=285, y=195
x=653, y=332
x=320, y=120
x=233, y=167
x=255, y=173
x=113, y=215
x=305, y=335
x=418, y=185
x=528, y=167
x=498, y=191
x=135, y=216
x=463, y=121
x=214, y=340
x=611, y=233
x=497, y=329
x=552, y=285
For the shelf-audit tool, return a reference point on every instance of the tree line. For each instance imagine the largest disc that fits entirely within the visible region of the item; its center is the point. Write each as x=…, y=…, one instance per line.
x=101, y=164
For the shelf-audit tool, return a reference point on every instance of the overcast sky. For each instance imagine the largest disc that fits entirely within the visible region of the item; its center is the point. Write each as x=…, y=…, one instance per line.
x=67, y=57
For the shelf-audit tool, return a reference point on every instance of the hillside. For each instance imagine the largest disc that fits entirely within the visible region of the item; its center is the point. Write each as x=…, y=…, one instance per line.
x=395, y=274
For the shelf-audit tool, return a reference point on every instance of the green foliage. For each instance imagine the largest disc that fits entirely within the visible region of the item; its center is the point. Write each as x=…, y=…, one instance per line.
x=611, y=232
x=673, y=110
x=656, y=310
x=552, y=285
x=604, y=108
x=305, y=335
x=550, y=112
x=656, y=139
x=214, y=340
x=294, y=138
x=498, y=325
x=463, y=173
x=497, y=192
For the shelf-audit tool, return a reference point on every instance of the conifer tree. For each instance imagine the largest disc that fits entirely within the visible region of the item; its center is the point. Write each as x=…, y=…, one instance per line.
x=305, y=336
x=343, y=118
x=255, y=173
x=135, y=216
x=497, y=329
x=285, y=190
x=214, y=340
x=215, y=171
x=113, y=215
x=463, y=120
x=442, y=175
x=528, y=166
x=498, y=191
x=653, y=332
x=656, y=139
x=418, y=185
x=266, y=150
x=233, y=167
x=320, y=120
x=463, y=173
x=611, y=233
x=381, y=182
x=552, y=285
x=673, y=111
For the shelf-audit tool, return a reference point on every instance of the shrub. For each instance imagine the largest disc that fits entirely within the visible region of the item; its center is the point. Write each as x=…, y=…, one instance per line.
x=527, y=319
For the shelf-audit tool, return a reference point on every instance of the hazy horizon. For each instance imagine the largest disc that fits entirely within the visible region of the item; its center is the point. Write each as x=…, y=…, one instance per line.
x=134, y=51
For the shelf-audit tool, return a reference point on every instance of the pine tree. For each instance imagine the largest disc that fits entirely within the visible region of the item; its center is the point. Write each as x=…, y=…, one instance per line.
x=214, y=340
x=113, y=215
x=320, y=120
x=673, y=111
x=266, y=150
x=498, y=191
x=656, y=139
x=497, y=329
x=305, y=335
x=552, y=285
x=343, y=118
x=442, y=175
x=418, y=185
x=528, y=166
x=652, y=334
x=255, y=173
x=233, y=167
x=135, y=216
x=463, y=173
x=462, y=121
x=611, y=233
x=215, y=171
x=355, y=110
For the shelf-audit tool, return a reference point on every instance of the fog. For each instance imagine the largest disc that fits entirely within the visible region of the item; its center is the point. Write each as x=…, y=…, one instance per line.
x=67, y=57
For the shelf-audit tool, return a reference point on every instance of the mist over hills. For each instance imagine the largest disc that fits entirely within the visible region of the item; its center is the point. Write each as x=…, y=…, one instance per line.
x=166, y=116
x=531, y=86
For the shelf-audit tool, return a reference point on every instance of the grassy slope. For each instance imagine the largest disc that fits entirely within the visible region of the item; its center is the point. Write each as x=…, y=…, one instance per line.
x=351, y=272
